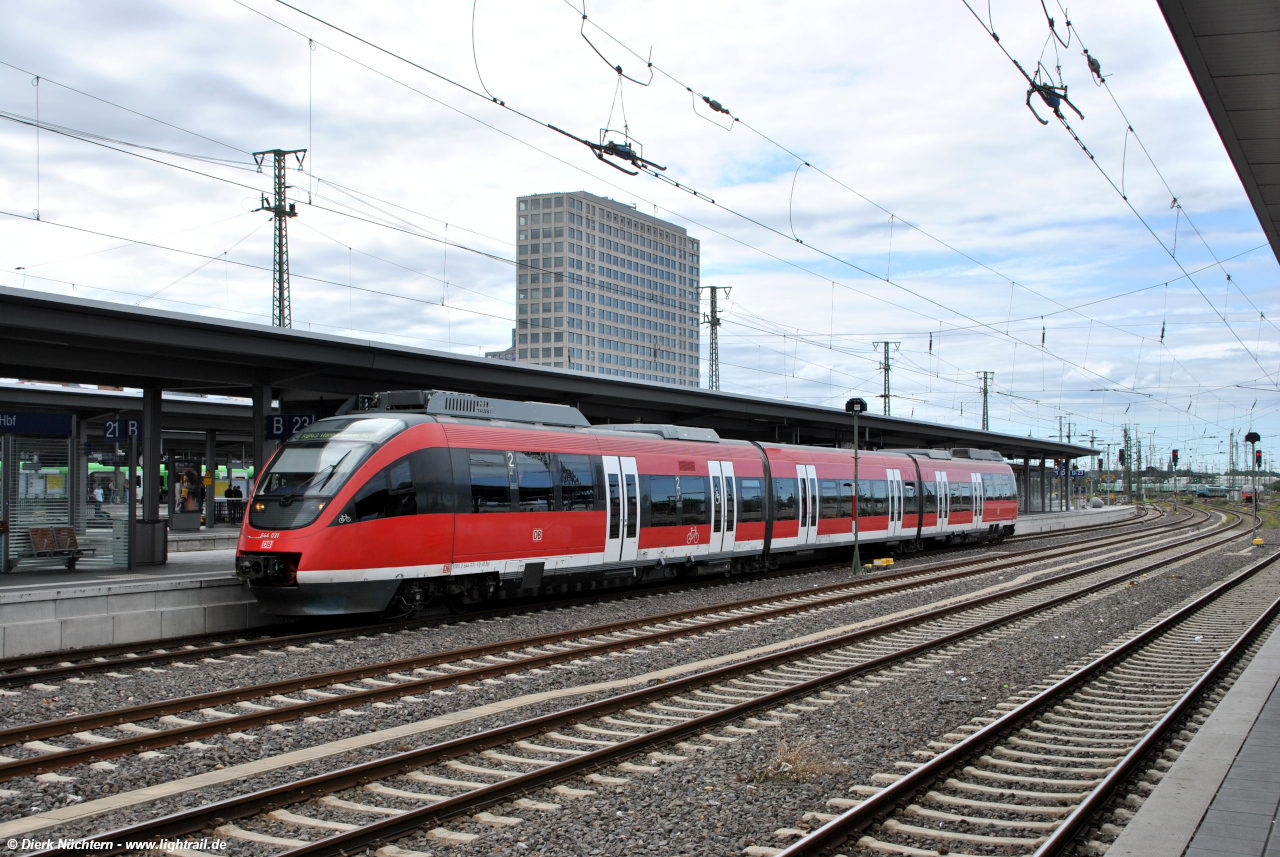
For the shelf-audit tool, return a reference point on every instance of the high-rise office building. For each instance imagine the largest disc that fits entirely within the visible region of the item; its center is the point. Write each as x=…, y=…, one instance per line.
x=602, y=288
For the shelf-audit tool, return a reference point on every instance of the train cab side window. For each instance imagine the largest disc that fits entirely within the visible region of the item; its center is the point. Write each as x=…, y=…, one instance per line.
x=664, y=505
x=390, y=493
x=693, y=500
x=910, y=501
x=490, y=487
x=786, y=504
x=533, y=475
x=577, y=487
x=829, y=507
x=752, y=494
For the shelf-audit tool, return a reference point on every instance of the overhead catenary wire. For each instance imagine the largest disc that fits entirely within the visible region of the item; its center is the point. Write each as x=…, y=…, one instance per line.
x=1015, y=345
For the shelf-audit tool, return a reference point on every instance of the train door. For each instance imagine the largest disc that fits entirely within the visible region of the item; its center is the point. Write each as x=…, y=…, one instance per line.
x=622, y=519
x=808, y=504
x=894, y=478
x=944, y=500
x=724, y=512
x=976, y=479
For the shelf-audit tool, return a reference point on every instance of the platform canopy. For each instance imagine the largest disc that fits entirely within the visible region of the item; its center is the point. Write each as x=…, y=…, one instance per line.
x=60, y=339
x=1232, y=49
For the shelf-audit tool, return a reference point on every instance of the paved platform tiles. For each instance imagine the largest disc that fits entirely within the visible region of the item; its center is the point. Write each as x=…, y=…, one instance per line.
x=1222, y=795
x=193, y=593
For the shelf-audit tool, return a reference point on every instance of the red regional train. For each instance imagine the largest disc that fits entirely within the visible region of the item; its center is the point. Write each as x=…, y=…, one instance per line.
x=409, y=499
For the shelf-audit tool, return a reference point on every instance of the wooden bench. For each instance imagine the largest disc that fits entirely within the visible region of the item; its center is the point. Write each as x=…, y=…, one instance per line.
x=58, y=540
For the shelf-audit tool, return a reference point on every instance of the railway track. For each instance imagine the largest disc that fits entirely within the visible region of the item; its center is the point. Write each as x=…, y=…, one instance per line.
x=41, y=668
x=524, y=765
x=149, y=727
x=1033, y=779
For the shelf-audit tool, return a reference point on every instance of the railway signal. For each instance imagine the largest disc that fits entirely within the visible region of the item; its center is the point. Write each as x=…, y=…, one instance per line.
x=1253, y=437
x=856, y=406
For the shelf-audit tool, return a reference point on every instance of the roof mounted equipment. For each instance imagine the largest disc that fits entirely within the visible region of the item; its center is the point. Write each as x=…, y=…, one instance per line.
x=447, y=404
x=670, y=432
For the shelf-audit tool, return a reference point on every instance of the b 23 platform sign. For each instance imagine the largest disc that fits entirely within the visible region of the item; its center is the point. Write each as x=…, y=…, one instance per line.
x=282, y=426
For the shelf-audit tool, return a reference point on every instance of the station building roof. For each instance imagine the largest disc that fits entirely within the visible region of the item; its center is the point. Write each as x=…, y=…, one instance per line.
x=60, y=339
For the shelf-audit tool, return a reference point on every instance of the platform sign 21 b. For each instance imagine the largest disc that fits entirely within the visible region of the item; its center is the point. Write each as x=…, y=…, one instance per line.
x=121, y=430
x=281, y=426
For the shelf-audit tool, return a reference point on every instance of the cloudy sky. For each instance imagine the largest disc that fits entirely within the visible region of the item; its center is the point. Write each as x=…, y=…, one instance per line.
x=881, y=180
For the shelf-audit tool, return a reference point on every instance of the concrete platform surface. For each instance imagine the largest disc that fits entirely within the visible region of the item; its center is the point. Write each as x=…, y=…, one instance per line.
x=1222, y=795
x=1045, y=522
x=193, y=593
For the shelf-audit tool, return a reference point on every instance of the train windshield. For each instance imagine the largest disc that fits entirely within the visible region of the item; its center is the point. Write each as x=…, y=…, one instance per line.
x=318, y=459
x=314, y=464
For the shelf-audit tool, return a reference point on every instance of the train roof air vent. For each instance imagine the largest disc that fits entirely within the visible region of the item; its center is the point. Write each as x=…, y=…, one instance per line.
x=927, y=453
x=444, y=403
x=977, y=454
x=670, y=432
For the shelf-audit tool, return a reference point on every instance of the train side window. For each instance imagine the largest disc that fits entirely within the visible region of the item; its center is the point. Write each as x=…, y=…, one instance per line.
x=717, y=516
x=615, y=507
x=693, y=500
x=846, y=498
x=879, y=497
x=866, y=505
x=533, y=475
x=434, y=478
x=728, y=504
x=577, y=488
x=490, y=487
x=752, y=494
x=1010, y=487
x=633, y=506
x=930, y=498
x=830, y=504
x=663, y=502
x=910, y=502
x=785, y=501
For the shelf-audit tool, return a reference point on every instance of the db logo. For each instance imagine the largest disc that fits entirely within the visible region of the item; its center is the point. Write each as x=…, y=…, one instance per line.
x=266, y=543
x=692, y=538
x=537, y=535
x=448, y=567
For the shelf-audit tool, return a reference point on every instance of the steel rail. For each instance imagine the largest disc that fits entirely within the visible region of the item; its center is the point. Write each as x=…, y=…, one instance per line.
x=17, y=678
x=16, y=670
x=192, y=820
x=179, y=734
x=855, y=820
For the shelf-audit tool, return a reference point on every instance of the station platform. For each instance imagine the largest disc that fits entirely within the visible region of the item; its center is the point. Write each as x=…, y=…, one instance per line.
x=1046, y=522
x=195, y=592
x=1222, y=795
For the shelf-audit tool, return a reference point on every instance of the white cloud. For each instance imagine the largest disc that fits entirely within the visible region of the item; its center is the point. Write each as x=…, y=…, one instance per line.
x=911, y=105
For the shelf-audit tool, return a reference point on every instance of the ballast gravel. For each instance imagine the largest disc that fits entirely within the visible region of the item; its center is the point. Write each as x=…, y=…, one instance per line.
x=724, y=801
x=134, y=773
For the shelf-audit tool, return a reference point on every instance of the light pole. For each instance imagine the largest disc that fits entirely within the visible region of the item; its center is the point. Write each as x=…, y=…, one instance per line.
x=1253, y=437
x=855, y=407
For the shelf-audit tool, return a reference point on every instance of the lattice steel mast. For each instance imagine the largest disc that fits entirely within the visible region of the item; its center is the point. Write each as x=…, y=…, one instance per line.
x=281, y=209
x=713, y=323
